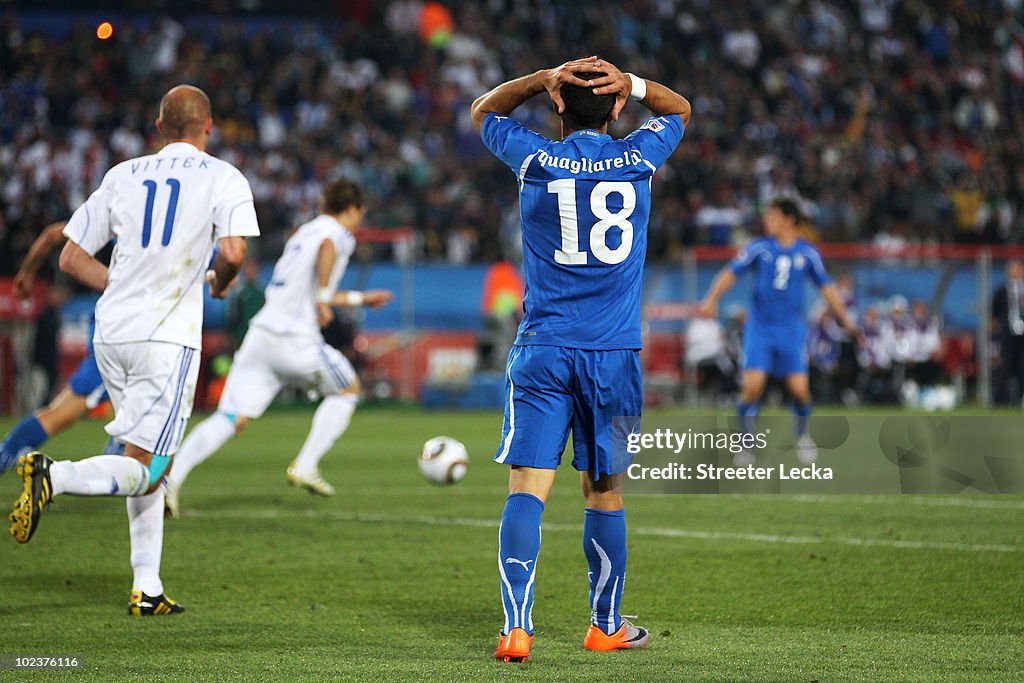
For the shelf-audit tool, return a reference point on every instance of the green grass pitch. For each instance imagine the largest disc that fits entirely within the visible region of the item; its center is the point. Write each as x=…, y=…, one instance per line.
x=395, y=579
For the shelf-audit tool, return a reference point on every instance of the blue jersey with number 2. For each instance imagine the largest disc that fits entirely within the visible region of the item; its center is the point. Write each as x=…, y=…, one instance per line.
x=584, y=203
x=780, y=275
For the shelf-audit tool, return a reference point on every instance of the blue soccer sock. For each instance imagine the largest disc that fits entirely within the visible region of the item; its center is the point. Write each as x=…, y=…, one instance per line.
x=604, y=543
x=801, y=417
x=518, y=548
x=747, y=413
x=26, y=435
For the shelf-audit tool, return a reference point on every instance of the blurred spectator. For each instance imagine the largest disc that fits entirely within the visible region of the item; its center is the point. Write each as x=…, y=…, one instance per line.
x=874, y=383
x=823, y=350
x=1008, y=316
x=502, y=306
x=45, y=349
x=735, y=322
x=925, y=362
x=968, y=202
x=903, y=337
x=847, y=289
x=878, y=116
x=846, y=367
x=244, y=301
x=717, y=222
x=705, y=352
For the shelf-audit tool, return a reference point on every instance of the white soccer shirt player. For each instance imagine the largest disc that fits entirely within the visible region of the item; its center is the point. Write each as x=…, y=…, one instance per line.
x=165, y=211
x=290, y=304
x=284, y=344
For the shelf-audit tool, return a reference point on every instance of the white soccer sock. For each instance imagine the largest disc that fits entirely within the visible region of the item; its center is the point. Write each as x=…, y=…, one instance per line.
x=202, y=442
x=329, y=422
x=146, y=529
x=100, y=475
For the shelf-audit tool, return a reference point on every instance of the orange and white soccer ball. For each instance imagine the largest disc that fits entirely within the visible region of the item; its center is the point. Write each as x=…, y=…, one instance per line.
x=444, y=460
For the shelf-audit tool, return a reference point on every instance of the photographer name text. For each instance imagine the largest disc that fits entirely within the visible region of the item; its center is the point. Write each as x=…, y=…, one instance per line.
x=707, y=472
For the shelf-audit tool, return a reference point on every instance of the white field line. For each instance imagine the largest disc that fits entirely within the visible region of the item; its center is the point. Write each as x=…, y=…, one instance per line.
x=964, y=501
x=343, y=516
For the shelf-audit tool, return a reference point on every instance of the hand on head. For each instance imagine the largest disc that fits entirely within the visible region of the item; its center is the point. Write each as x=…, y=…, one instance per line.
x=614, y=82
x=555, y=78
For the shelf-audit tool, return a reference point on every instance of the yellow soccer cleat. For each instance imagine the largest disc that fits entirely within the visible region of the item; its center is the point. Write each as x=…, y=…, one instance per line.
x=36, y=494
x=143, y=605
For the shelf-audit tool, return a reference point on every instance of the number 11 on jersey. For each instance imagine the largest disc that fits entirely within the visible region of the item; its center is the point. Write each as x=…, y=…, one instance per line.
x=568, y=216
x=172, y=209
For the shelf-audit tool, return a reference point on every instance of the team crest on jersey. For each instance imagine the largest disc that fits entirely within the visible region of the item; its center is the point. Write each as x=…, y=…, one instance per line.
x=766, y=257
x=654, y=125
x=798, y=261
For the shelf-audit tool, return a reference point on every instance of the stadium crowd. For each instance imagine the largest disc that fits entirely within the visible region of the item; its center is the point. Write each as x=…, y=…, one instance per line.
x=889, y=121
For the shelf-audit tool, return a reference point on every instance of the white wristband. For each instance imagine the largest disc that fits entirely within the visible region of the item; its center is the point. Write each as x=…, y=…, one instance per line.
x=639, y=87
x=354, y=298
x=324, y=295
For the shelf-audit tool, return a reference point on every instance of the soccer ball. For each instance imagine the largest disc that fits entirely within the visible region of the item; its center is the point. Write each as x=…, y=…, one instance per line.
x=444, y=460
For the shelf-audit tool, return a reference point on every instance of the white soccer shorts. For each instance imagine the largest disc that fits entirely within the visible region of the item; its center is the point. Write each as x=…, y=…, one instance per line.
x=152, y=386
x=267, y=362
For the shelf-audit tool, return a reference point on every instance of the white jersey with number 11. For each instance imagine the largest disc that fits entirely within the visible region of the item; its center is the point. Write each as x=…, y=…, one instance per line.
x=165, y=211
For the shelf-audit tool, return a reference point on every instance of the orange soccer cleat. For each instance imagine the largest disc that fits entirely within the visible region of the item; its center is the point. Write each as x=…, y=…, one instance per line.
x=628, y=637
x=514, y=647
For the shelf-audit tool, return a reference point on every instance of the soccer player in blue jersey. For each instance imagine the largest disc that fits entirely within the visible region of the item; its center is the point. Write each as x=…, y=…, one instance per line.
x=774, y=339
x=85, y=388
x=584, y=202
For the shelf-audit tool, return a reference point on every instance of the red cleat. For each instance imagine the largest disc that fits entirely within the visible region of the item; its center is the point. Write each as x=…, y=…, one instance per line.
x=514, y=647
x=628, y=637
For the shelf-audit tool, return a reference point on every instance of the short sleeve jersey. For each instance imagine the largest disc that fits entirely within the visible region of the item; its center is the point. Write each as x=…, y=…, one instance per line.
x=584, y=204
x=780, y=276
x=165, y=211
x=290, y=305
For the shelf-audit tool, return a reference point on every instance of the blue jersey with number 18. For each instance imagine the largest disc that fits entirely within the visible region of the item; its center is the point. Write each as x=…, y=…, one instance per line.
x=584, y=204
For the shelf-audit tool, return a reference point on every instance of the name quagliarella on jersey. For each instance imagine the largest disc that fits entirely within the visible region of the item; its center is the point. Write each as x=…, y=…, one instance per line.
x=630, y=157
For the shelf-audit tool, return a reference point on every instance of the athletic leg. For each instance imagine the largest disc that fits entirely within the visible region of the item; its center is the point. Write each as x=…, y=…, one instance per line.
x=608, y=386
x=758, y=361
x=800, y=390
x=604, y=544
x=519, y=539
x=537, y=413
x=749, y=405
x=330, y=421
x=793, y=366
x=34, y=430
x=151, y=386
x=334, y=377
x=250, y=387
x=204, y=440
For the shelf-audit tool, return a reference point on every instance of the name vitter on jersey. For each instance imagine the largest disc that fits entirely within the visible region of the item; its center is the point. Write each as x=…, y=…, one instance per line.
x=165, y=211
x=290, y=305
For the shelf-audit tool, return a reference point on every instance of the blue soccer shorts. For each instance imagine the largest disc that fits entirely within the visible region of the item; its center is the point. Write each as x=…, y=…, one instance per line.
x=779, y=354
x=552, y=389
x=87, y=382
